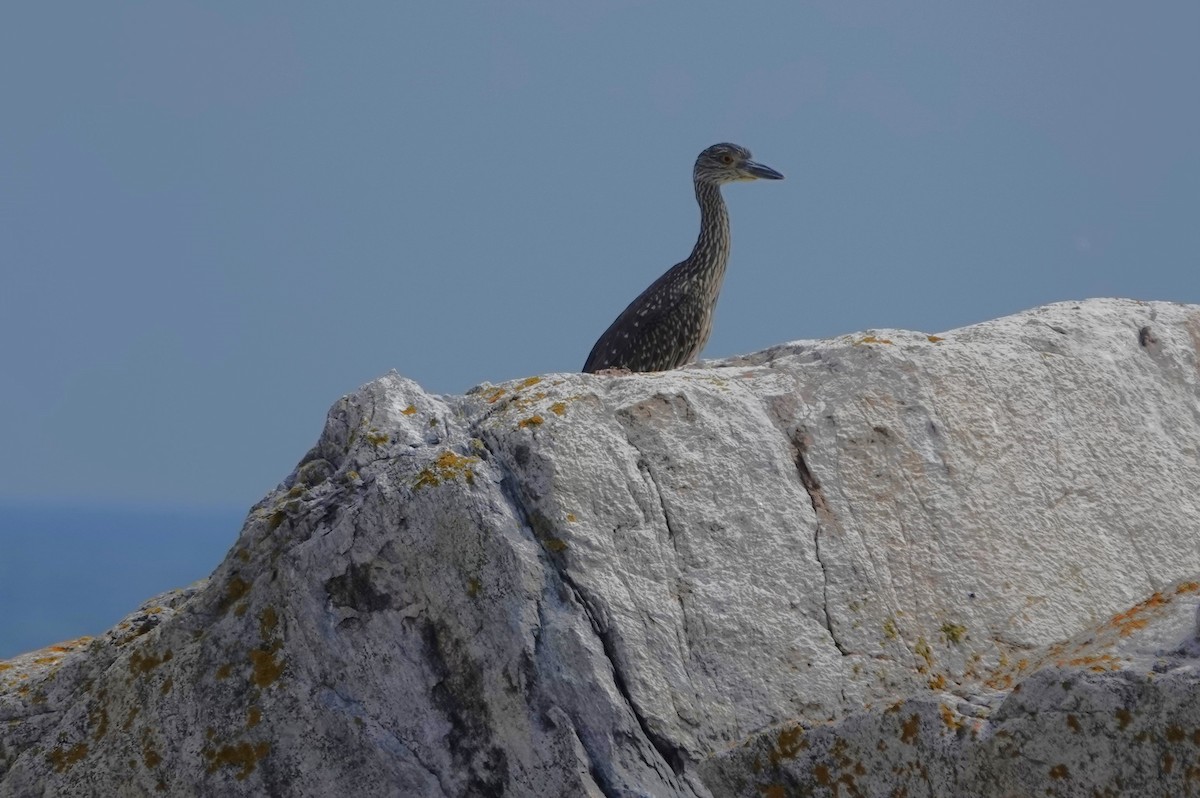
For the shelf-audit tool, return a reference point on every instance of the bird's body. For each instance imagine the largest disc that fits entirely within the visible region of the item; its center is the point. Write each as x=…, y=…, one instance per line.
x=669, y=323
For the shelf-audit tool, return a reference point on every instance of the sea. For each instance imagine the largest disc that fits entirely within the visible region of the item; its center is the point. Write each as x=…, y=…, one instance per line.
x=68, y=570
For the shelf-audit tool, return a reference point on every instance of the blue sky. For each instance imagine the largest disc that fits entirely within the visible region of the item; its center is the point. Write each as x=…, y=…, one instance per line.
x=216, y=218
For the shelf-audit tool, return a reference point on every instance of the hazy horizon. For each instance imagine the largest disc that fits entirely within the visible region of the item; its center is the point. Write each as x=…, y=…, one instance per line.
x=73, y=569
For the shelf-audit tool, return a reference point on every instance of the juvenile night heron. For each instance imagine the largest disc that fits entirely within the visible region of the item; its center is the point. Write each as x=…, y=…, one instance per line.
x=669, y=323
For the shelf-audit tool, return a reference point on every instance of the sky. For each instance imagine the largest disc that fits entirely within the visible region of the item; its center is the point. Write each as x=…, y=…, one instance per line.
x=217, y=218
x=68, y=571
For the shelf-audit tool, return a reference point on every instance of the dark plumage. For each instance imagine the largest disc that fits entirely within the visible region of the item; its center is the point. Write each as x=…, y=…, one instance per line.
x=669, y=323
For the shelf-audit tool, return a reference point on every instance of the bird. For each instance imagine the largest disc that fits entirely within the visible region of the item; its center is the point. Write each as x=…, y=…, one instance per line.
x=669, y=323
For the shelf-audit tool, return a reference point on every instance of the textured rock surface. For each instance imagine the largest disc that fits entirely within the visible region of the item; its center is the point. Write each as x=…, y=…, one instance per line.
x=884, y=564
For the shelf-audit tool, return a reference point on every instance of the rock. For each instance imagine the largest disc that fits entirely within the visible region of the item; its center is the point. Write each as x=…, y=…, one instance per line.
x=888, y=563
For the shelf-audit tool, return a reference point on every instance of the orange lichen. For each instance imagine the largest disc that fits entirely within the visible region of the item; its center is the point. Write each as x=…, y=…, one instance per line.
x=529, y=382
x=949, y=718
x=910, y=729
x=448, y=466
x=376, y=438
x=1130, y=618
x=243, y=755
x=267, y=619
x=234, y=591
x=1096, y=662
x=953, y=632
x=98, y=717
x=62, y=760
x=933, y=339
x=871, y=339
x=923, y=650
x=410, y=410
x=532, y=421
x=495, y=395
x=71, y=645
x=558, y=408
x=149, y=755
x=1059, y=772
x=1132, y=626
x=144, y=663
x=253, y=717
x=224, y=671
x=788, y=743
x=266, y=668
x=1124, y=717
x=448, y=460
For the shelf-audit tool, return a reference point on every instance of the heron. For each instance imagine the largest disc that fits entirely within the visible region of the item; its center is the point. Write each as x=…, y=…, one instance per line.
x=669, y=323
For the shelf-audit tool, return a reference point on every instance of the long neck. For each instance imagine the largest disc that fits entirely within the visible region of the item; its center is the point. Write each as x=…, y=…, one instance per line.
x=712, y=247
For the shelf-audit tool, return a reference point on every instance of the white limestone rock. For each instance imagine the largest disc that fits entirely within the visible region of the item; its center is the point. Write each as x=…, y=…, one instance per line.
x=959, y=564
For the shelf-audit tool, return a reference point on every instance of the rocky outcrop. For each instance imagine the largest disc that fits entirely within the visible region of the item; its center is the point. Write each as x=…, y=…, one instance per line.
x=884, y=564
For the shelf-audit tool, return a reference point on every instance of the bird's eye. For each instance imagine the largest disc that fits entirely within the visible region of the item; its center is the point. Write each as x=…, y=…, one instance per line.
x=726, y=158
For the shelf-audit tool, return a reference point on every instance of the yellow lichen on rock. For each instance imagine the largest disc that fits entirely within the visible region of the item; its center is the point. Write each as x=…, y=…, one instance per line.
x=448, y=466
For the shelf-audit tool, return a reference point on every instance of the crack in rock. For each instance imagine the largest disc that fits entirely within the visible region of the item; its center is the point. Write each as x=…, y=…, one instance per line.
x=825, y=518
x=673, y=536
x=670, y=755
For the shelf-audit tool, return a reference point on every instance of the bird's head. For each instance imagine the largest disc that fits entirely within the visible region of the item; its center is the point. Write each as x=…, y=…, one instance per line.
x=726, y=163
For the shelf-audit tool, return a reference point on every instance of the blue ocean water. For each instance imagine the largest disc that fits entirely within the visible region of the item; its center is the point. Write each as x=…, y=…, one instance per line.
x=70, y=570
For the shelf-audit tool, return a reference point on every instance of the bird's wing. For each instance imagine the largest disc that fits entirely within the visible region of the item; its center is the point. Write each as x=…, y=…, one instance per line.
x=644, y=320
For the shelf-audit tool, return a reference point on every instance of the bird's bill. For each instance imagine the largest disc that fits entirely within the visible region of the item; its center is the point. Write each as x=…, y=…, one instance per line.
x=755, y=170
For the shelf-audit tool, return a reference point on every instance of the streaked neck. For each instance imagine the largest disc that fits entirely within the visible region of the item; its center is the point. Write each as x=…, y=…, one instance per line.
x=712, y=246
